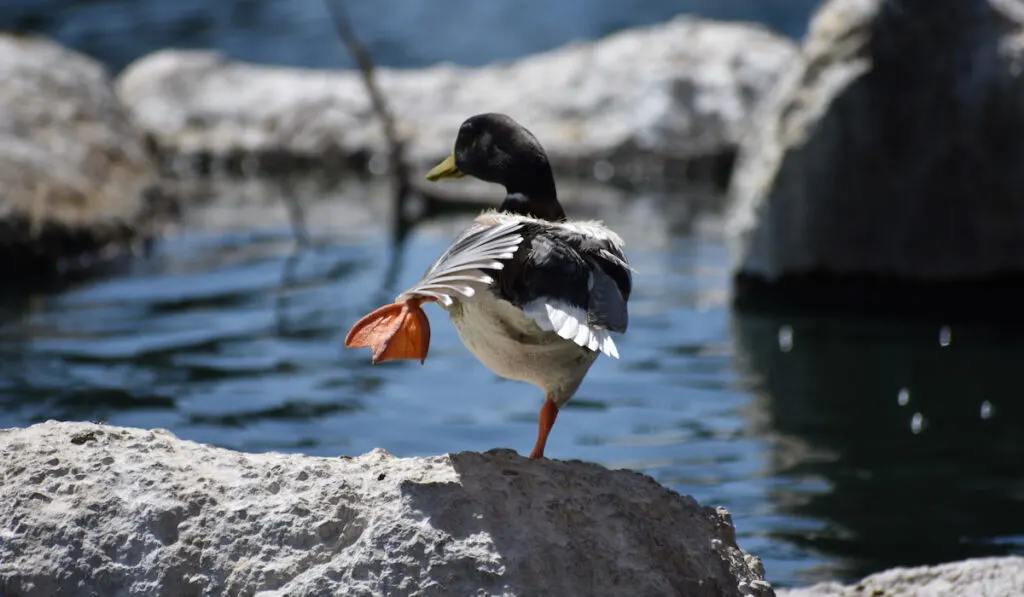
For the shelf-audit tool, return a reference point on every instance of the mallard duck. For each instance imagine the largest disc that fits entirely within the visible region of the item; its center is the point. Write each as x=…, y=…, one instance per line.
x=534, y=297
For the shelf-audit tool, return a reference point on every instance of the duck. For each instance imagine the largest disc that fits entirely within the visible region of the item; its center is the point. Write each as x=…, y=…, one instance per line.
x=534, y=296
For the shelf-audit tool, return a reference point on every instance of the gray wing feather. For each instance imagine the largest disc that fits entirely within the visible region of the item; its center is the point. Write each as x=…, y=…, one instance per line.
x=465, y=264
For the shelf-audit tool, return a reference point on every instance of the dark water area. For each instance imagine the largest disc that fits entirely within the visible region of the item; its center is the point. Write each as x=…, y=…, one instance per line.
x=841, y=446
x=399, y=33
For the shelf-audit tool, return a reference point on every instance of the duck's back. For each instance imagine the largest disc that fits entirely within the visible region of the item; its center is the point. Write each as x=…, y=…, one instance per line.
x=568, y=278
x=573, y=278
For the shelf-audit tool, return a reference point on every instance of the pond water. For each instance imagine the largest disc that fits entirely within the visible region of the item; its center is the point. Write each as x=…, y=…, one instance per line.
x=841, y=447
x=399, y=33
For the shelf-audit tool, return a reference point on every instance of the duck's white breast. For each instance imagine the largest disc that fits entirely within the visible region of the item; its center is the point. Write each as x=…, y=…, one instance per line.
x=515, y=347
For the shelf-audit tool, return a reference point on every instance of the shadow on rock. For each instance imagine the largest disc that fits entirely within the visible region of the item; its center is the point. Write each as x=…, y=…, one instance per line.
x=586, y=530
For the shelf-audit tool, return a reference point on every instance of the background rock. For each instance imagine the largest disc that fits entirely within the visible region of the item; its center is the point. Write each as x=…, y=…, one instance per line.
x=982, y=577
x=92, y=509
x=670, y=93
x=77, y=182
x=890, y=149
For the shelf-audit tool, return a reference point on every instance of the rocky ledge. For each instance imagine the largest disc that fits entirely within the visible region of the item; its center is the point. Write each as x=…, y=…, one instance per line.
x=79, y=186
x=99, y=510
x=676, y=93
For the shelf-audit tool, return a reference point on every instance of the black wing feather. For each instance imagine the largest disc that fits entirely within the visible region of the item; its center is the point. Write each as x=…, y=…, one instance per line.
x=559, y=263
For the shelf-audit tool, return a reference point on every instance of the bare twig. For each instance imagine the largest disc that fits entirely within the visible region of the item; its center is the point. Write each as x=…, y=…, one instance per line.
x=398, y=167
x=397, y=164
x=433, y=203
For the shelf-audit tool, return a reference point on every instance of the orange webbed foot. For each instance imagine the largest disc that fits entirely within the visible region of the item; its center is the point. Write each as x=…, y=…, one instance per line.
x=395, y=331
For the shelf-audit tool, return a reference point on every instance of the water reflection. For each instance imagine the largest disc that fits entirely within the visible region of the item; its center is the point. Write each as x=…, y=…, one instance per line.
x=914, y=428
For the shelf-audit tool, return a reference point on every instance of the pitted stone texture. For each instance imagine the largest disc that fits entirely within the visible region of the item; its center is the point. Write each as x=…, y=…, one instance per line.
x=91, y=509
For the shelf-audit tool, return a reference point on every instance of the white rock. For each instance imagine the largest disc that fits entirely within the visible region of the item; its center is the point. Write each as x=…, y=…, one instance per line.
x=981, y=577
x=98, y=510
x=672, y=91
x=74, y=169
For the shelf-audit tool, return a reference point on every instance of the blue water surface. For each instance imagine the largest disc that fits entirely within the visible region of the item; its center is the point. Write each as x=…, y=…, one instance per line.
x=400, y=33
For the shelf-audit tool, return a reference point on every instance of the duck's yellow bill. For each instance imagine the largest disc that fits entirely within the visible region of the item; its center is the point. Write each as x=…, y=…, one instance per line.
x=446, y=169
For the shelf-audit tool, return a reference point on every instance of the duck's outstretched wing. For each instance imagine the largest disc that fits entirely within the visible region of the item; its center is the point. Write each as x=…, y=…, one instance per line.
x=469, y=263
x=572, y=279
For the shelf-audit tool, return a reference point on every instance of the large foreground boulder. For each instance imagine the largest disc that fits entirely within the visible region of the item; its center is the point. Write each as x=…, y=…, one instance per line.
x=77, y=185
x=888, y=160
x=98, y=510
x=982, y=577
x=671, y=93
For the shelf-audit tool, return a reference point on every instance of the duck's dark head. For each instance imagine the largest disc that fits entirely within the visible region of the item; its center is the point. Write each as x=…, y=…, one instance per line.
x=495, y=148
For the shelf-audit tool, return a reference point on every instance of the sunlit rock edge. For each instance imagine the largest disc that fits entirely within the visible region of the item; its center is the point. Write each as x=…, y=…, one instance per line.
x=648, y=101
x=980, y=577
x=96, y=509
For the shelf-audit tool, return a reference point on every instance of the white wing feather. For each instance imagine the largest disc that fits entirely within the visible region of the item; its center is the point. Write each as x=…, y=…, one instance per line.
x=459, y=269
x=569, y=322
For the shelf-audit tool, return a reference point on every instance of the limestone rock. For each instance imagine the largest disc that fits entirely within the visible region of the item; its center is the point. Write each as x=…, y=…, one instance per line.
x=981, y=577
x=91, y=509
x=891, y=148
x=76, y=181
x=670, y=92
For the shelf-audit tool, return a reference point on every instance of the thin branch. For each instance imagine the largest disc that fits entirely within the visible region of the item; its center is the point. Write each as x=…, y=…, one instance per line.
x=397, y=164
x=398, y=167
x=435, y=201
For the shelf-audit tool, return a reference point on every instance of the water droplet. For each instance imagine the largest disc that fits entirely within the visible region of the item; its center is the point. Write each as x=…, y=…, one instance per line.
x=986, y=410
x=903, y=398
x=603, y=171
x=917, y=423
x=945, y=336
x=786, y=338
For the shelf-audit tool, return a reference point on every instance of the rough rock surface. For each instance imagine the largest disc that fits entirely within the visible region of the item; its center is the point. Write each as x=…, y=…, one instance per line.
x=669, y=92
x=77, y=181
x=982, y=577
x=891, y=148
x=98, y=510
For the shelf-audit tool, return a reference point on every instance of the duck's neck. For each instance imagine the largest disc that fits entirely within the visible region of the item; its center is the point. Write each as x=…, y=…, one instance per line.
x=534, y=196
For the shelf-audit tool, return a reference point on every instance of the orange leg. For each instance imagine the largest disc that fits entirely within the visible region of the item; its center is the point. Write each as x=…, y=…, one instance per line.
x=548, y=414
x=395, y=331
